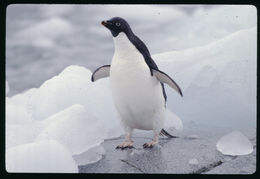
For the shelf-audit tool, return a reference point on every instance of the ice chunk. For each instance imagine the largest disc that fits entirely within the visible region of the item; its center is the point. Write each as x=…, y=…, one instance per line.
x=73, y=86
x=218, y=78
x=68, y=88
x=17, y=134
x=22, y=99
x=46, y=156
x=93, y=155
x=234, y=143
x=205, y=77
x=16, y=114
x=193, y=161
x=187, y=65
x=172, y=120
x=74, y=128
x=20, y=127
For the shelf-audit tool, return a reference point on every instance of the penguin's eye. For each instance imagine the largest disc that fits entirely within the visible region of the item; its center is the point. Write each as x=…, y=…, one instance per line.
x=118, y=24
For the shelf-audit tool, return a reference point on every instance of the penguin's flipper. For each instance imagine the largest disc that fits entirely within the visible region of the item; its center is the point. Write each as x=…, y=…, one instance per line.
x=101, y=72
x=164, y=78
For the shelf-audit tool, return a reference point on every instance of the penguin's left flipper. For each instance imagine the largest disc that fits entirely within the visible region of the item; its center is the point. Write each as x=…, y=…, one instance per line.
x=164, y=78
x=101, y=72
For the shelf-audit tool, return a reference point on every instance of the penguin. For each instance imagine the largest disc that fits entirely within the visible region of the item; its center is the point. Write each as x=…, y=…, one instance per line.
x=136, y=83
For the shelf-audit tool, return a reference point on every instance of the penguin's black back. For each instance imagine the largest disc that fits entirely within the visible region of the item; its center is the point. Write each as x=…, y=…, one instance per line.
x=139, y=44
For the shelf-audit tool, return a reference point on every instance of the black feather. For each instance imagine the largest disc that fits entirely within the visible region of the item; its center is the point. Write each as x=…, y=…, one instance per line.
x=165, y=133
x=141, y=47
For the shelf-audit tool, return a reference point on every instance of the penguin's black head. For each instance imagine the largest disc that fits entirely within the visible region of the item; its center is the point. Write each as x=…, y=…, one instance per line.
x=117, y=25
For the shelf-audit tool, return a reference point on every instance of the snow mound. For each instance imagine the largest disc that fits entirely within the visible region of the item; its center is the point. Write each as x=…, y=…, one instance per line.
x=74, y=128
x=68, y=88
x=218, y=80
x=17, y=134
x=16, y=114
x=234, y=143
x=22, y=99
x=47, y=156
x=73, y=86
x=20, y=126
x=198, y=62
x=69, y=109
x=172, y=121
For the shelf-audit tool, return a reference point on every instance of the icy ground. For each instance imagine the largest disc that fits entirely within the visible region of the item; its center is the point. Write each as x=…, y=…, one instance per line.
x=70, y=121
x=174, y=155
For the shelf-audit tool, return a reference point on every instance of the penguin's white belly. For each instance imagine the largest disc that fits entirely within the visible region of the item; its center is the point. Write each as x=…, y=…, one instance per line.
x=137, y=95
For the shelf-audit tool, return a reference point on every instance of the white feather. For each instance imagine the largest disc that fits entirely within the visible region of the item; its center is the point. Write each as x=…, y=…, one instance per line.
x=137, y=95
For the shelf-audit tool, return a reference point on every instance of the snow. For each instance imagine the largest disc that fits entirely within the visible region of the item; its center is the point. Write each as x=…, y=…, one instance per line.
x=234, y=143
x=218, y=80
x=74, y=128
x=20, y=127
x=172, y=121
x=46, y=156
x=12, y=117
x=17, y=134
x=73, y=86
x=66, y=109
x=193, y=161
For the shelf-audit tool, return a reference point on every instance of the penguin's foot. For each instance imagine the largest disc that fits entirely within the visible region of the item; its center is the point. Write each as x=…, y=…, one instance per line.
x=125, y=145
x=154, y=141
x=150, y=144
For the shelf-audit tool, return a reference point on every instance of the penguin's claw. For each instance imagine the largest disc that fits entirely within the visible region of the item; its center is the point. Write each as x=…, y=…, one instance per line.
x=149, y=145
x=146, y=145
x=125, y=145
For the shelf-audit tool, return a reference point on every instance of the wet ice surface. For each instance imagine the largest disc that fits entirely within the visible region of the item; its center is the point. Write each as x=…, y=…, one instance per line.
x=174, y=155
x=194, y=161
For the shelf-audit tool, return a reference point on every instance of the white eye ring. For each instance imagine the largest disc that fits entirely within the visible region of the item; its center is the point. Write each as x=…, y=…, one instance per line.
x=118, y=24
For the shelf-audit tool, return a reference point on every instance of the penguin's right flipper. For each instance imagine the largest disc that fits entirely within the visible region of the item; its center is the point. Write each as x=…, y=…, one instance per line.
x=101, y=72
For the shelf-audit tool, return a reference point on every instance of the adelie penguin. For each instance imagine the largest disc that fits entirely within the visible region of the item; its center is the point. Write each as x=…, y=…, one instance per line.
x=137, y=85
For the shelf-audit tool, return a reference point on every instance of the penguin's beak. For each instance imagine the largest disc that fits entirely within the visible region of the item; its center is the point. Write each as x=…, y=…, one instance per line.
x=105, y=23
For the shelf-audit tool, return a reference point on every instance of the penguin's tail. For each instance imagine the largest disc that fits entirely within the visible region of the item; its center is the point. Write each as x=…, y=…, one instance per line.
x=165, y=133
